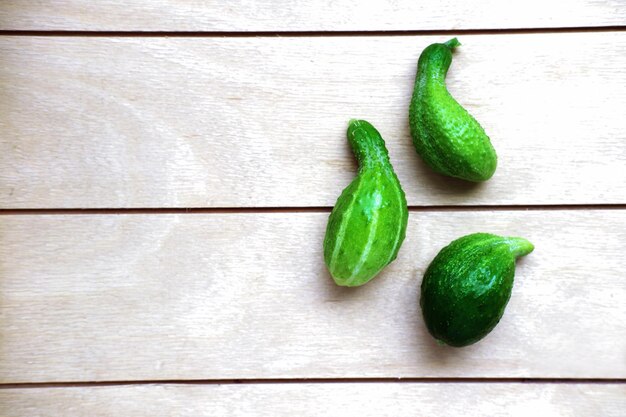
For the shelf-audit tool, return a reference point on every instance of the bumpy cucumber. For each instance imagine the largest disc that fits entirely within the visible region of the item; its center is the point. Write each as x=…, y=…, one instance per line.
x=468, y=285
x=445, y=135
x=368, y=223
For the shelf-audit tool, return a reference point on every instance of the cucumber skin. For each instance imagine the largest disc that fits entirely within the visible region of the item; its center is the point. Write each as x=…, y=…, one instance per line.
x=467, y=286
x=445, y=135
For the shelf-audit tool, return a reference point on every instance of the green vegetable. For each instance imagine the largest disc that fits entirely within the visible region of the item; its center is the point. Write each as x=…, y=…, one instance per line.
x=467, y=286
x=368, y=223
x=444, y=134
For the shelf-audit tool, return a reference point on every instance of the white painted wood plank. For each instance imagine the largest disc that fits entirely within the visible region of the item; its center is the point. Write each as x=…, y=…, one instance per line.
x=329, y=399
x=197, y=296
x=250, y=122
x=301, y=15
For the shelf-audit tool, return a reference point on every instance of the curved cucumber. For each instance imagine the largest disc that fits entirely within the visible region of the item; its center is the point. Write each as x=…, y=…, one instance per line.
x=444, y=134
x=368, y=223
x=468, y=285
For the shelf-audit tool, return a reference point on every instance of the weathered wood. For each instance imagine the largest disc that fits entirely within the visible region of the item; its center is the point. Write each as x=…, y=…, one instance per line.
x=260, y=122
x=301, y=15
x=212, y=296
x=330, y=399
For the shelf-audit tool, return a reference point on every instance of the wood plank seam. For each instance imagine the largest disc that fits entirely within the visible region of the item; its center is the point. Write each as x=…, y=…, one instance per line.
x=77, y=384
x=315, y=209
x=287, y=34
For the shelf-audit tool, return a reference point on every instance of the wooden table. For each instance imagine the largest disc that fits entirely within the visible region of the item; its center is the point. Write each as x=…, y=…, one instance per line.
x=166, y=173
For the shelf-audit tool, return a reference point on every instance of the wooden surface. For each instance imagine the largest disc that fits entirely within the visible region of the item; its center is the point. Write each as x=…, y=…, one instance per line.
x=147, y=297
x=302, y=15
x=332, y=400
x=141, y=110
x=260, y=122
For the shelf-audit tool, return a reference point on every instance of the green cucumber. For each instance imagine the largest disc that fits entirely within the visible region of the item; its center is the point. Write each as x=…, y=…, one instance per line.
x=368, y=223
x=445, y=135
x=468, y=285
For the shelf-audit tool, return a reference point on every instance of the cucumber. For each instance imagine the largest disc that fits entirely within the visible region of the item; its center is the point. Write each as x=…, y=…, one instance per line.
x=368, y=223
x=445, y=135
x=468, y=285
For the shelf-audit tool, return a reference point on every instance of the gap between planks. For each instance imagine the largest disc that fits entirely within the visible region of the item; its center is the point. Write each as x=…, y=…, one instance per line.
x=314, y=209
x=78, y=384
x=317, y=33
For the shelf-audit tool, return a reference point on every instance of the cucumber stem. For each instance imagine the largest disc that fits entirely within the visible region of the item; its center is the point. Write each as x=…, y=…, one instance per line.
x=452, y=43
x=519, y=246
x=367, y=144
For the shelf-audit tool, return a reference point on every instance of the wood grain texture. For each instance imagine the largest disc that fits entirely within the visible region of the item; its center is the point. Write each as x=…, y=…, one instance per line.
x=301, y=15
x=331, y=399
x=260, y=122
x=196, y=296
